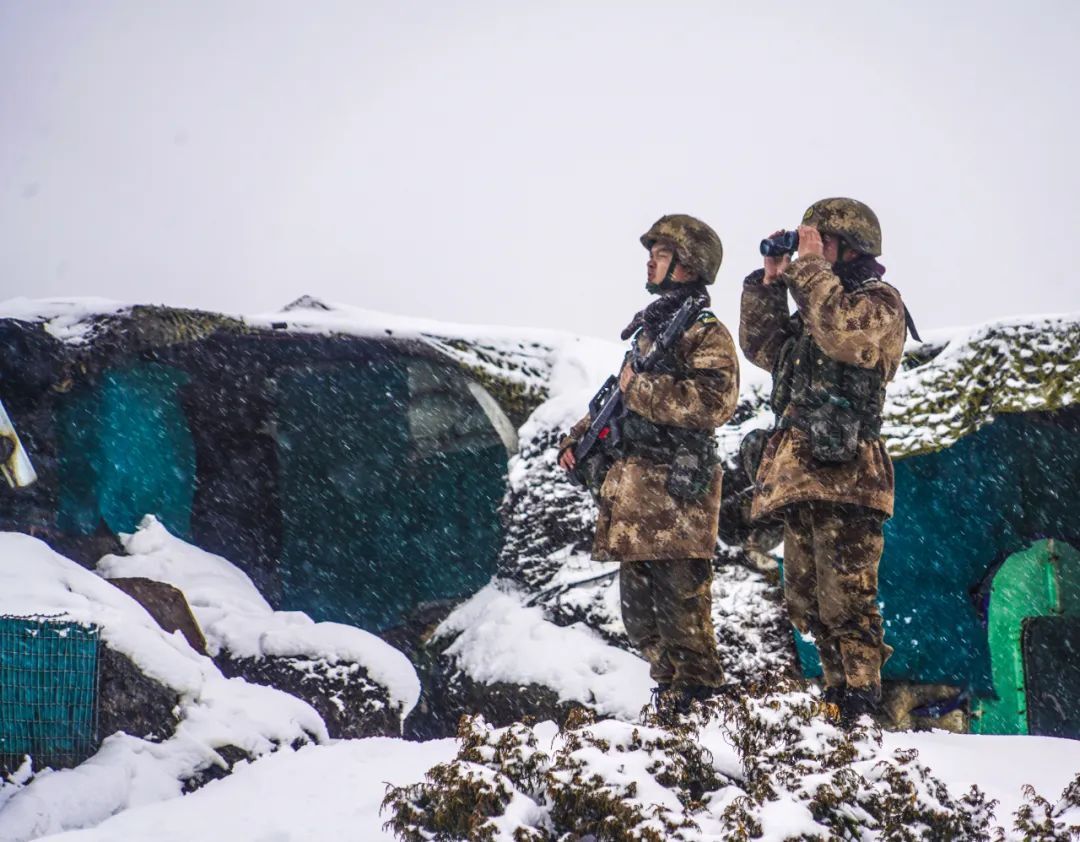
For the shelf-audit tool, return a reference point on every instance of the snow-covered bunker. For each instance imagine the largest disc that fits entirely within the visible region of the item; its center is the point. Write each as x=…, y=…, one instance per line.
x=353, y=477
x=354, y=466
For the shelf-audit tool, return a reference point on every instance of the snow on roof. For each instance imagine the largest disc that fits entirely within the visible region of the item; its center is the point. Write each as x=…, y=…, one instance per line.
x=68, y=319
x=520, y=365
x=213, y=711
x=234, y=616
x=1027, y=363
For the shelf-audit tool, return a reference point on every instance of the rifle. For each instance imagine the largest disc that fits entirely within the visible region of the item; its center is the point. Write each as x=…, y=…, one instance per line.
x=607, y=408
x=14, y=463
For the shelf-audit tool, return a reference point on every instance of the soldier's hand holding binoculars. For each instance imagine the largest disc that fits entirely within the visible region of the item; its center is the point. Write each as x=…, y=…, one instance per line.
x=810, y=241
x=775, y=266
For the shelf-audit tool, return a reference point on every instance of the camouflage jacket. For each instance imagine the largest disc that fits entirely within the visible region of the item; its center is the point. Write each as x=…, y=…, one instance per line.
x=864, y=328
x=639, y=520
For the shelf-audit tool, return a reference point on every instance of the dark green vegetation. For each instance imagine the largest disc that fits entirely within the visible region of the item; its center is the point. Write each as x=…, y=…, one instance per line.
x=784, y=764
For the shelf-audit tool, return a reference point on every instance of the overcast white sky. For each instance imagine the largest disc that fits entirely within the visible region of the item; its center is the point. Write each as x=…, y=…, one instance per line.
x=495, y=162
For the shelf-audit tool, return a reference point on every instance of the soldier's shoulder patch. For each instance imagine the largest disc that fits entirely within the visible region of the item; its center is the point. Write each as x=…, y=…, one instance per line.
x=707, y=317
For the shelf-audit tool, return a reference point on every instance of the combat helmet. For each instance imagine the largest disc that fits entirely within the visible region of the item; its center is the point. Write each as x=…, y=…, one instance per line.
x=697, y=246
x=847, y=218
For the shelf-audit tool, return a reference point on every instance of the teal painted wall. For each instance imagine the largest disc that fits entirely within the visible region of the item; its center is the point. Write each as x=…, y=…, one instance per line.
x=125, y=451
x=959, y=513
x=372, y=529
x=390, y=476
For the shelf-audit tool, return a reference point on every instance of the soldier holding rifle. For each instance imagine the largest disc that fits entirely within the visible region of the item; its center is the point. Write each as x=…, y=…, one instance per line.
x=647, y=451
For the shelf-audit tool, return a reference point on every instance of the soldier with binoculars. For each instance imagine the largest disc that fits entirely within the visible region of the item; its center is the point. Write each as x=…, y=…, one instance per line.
x=824, y=469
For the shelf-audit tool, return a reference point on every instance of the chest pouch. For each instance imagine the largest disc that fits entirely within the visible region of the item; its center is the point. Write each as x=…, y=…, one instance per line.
x=751, y=451
x=833, y=429
x=691, y=474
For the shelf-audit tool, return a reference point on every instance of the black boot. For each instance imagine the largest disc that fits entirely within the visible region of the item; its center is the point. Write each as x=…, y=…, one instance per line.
x=857, y=701
x=686, y=696
x=833, y=695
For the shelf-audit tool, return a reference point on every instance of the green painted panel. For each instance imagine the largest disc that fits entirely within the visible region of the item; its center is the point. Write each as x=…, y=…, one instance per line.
x=1023, y=587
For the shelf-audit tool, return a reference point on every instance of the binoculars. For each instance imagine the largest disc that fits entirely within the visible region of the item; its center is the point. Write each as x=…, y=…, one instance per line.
x=786, y=242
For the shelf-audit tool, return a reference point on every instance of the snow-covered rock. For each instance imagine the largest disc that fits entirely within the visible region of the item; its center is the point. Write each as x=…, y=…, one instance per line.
x=352, y=677
x=216, y=719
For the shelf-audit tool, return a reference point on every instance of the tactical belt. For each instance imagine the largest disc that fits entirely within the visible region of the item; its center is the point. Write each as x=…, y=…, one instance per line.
x=658, y=453
x=665, y=454
x=869, y=430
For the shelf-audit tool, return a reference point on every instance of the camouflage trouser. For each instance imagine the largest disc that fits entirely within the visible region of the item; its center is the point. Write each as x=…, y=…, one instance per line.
x=831, y=555
x=667, y=611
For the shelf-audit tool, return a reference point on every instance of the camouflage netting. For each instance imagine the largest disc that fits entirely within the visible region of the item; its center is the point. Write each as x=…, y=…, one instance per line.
x=773, y=765
x=949, y=389
x=1016, y=366
x=515, y=373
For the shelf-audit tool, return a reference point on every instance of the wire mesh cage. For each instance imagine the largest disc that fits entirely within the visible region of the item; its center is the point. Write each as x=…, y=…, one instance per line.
x=48, y=691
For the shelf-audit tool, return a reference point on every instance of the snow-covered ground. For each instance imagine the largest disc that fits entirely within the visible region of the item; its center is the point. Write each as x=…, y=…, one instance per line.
x=333, y=792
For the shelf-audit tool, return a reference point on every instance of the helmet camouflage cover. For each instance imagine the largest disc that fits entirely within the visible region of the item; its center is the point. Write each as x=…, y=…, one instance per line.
x=847, y=218
x=697, y=246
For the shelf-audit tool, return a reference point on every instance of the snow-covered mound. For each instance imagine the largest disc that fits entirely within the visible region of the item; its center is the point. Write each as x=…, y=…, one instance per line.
x=237, y=620
x=1019, y=365
x=213, y=713
x=497, y=638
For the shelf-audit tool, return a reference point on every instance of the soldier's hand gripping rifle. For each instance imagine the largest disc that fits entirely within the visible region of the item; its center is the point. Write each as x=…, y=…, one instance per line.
x=607, y=408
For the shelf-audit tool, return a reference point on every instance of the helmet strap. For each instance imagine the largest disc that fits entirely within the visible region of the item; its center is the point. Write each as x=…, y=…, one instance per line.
x=669, y=276
x=668, y=282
